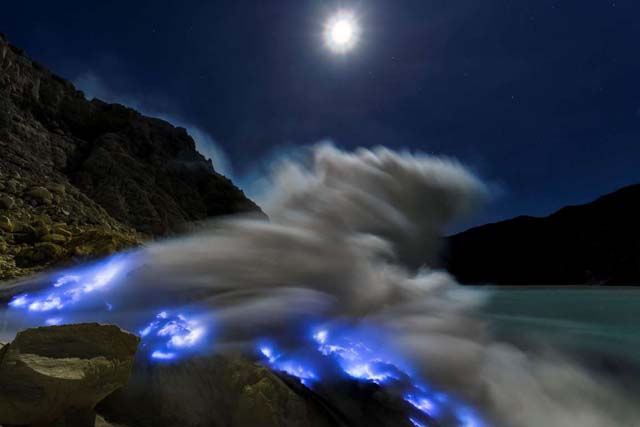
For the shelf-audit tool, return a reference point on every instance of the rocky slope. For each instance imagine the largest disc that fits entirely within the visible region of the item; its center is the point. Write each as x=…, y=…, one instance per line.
x=595, y=243
x=83, y=178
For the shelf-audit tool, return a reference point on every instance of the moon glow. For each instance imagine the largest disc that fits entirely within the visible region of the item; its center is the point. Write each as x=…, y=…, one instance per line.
x=341, y=32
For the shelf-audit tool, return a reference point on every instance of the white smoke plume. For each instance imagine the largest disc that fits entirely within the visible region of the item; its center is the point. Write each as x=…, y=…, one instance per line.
x=353, y=237
x=344, y=232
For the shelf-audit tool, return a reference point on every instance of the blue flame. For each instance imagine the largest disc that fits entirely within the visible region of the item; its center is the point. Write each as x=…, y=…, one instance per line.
x=356, y=359
x=19, y=301
x=421, y=403
x=360, y=355
x=161, y=355
x=72, y=289
x=173, y=333
x=85, y=288
x=297, y=369
x=170, y=335
x=54, y=321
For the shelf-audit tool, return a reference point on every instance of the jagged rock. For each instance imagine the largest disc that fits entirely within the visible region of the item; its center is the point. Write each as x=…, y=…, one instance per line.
x=54, y=238
x=41, y=194
x=97, y=166
x=100, y=422
x=96, y=243
x=62, y=230
x=13, y=186
x=55, y=376
x=213, y=391
x=57, y=188
x=6, y=224
x=6, y=202
x=227, y=390
x=24, y=233
x=39, y=254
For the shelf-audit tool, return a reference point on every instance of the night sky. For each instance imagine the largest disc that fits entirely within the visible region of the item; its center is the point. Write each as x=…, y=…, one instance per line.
x=539, y=97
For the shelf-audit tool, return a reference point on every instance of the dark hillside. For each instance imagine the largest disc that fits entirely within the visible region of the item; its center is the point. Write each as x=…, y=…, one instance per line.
x=595, y=243
x=83, y=178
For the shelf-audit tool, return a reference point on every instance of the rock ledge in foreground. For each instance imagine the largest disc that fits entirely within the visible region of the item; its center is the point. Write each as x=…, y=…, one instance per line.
x=55, y=376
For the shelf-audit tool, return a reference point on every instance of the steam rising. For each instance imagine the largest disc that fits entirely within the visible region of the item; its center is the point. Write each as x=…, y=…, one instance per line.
x=348, y=248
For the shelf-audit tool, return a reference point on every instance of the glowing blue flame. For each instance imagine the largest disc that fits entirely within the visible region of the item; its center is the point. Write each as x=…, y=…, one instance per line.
x=161, y=355
x=169, y=335
x=362, y=357
x=85, y=287
x=355, y=358
x=172, y=334
x=66, y=279
x=19, y=301
x=299, y=370
x=71, y=289
x=421, y=403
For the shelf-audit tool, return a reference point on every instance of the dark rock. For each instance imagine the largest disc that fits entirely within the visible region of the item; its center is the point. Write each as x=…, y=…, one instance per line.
x=227, y=390
x=97, y=166
x=55, y=238
x=41, y=194
x=55, y=376
x=62, y=230
x=6, y=202
x=595, y=243
x=39, y=254
x=210, y=391
x=97, y=243
x=57, y=188
x=25, y=234
x=13, y=186
x=6, y=224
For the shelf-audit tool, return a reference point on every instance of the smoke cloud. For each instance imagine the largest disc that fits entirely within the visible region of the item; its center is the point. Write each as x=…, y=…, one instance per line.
x=346, y=234
x=353, y=238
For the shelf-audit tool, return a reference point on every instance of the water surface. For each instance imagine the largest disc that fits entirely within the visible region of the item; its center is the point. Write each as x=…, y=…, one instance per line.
x=586, y=321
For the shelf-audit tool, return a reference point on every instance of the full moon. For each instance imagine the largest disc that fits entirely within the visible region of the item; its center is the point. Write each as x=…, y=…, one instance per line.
x=341, y=32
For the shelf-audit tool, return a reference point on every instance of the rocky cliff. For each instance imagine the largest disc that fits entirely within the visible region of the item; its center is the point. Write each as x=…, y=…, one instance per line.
x=595, y=243
x=82, y=178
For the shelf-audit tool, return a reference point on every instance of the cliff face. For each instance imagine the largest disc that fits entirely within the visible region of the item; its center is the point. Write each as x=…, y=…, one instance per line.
x=83, y=178
x=595, y=243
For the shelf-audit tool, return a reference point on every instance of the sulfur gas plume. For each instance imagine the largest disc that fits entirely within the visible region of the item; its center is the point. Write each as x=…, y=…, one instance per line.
x=339, y=281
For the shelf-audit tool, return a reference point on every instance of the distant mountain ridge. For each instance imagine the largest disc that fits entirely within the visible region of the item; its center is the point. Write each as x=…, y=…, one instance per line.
x=594, y=243
x=82, y=178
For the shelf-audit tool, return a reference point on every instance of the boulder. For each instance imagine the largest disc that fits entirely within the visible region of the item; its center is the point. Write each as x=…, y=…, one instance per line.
x=40, y=253
x=41, y=195
x=6, y=202
x=210, y=391
x=62, y=230
x=55, y=376
x=59, y=189
x=6, y=224
x=13, y=186
x=54, y=238
x=24, y=233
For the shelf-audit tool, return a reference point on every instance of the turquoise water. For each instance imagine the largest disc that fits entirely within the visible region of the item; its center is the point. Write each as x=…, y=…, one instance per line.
x=588, y=320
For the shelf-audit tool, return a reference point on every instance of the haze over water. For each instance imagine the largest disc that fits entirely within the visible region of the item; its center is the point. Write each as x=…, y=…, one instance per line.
x=584, y=320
